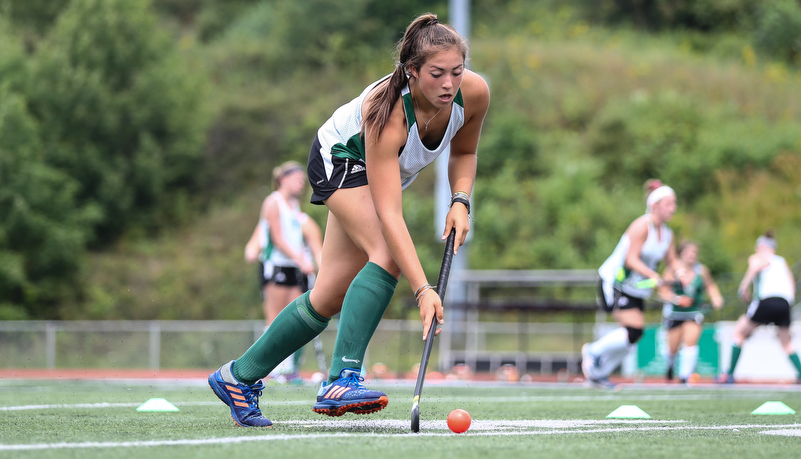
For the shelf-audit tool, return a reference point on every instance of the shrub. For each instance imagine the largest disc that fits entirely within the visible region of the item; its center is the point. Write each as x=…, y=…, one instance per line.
x=778, y=30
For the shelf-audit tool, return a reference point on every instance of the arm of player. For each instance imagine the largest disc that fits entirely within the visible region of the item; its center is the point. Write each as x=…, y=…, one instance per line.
x=665, y=290
x=383, y=178
x=255, y=243
x=273, y=214
x=313, y=236
x=638, y=233
x=755, y=265
x=253, y=247
x=462, y=162
x=711, y=288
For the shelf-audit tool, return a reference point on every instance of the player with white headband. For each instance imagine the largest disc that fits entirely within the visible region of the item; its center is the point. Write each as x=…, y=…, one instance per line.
x=624, y=282
x=772, y=292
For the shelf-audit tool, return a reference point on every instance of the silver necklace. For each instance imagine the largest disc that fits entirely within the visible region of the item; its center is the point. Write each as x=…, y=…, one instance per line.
x=429, y=120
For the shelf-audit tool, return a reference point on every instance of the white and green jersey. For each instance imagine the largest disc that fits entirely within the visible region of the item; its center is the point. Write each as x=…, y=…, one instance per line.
x=614, y=272
x=773, y=281
x=292, y=220
x=340, y=136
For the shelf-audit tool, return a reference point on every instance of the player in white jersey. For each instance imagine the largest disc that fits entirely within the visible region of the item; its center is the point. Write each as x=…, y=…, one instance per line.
x=361, y=160
x=646, y=243
x=289, y=246
x=773, y=293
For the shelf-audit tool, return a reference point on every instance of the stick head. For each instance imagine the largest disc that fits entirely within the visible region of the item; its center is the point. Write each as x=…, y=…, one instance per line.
x=415, y=418
x=647, y=283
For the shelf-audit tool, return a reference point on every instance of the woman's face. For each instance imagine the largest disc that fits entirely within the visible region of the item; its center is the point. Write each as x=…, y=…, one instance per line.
x=665, y=208
x=294, y=182
x=689, y=255
x=440, y=77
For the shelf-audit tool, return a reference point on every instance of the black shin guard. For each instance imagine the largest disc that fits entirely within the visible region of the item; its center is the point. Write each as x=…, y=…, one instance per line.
x=634, y=334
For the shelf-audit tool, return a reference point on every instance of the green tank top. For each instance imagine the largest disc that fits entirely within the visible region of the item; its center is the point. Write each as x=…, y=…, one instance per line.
x=694, y=290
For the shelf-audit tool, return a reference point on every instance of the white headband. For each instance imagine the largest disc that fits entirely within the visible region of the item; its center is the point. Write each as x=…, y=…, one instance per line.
x=659, y=193
x=768, y=242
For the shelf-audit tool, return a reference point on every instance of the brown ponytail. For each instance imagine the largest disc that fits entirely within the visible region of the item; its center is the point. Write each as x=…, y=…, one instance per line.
x=423, y=38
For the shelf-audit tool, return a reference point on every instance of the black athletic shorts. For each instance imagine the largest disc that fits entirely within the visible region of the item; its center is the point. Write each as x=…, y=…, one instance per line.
x=262, y=278
x=770, y=310
x=620, y=300
x=673, y=323
x=289, y=277
x=347, y=173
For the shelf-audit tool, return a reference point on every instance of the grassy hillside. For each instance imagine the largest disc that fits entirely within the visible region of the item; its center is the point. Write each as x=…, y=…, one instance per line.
x=580, y=117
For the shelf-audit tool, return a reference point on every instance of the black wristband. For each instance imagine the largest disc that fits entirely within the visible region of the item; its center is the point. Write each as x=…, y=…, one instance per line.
x=462, y=200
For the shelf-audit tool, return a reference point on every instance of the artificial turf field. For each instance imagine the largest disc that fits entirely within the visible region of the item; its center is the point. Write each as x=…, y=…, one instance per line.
x=98, y=419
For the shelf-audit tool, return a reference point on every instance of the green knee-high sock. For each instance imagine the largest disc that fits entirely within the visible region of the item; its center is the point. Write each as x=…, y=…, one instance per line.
x=295, y=326
x=796, y=363
x=365, y=303
x=735, y=356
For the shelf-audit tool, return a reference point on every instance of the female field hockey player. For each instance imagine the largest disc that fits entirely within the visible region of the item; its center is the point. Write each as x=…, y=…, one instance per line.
x=647, y=242
x=362, y=158
x=773, y=293
x=682, y=315
x=283, y=241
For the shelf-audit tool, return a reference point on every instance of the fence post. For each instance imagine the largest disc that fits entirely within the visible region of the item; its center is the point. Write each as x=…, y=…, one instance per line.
x=155, y=344
x=50, y=345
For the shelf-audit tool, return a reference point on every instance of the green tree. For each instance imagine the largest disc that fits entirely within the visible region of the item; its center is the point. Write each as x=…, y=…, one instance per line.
x=121, y=111
x=32, y=17
x=43, y=232
x=778, y=30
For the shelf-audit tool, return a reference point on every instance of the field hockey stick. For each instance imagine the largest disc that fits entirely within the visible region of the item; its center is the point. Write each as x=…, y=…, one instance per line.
x=647, y=283
x=442, y=284
x=652, y=283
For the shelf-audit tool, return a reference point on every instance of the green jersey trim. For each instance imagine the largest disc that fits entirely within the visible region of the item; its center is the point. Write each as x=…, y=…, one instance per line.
x=353, y=149
x=408, y=107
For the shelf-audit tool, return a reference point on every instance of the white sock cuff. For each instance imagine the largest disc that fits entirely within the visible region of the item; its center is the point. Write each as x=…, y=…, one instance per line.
x=615, y=339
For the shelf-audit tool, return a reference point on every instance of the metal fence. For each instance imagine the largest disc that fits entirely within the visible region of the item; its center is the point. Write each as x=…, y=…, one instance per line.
x=491, y=328
x=206, y=344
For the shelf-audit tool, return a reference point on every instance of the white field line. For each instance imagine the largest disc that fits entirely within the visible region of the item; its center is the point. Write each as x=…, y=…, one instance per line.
x=266, y=402
x=783, y=429
x=126, y=405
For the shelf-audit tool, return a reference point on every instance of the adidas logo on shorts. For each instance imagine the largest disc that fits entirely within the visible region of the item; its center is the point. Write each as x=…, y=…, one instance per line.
x=357, y=168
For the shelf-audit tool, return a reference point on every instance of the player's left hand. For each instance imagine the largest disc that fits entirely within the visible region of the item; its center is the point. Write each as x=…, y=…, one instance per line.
x=430, y=306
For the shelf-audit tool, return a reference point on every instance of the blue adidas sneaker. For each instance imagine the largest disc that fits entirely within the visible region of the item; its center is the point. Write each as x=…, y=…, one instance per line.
x=241, y=398
x=348, y=395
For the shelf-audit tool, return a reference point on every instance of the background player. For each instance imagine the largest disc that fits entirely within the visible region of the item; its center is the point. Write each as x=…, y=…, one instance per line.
x=682, y=315
x=773, y=292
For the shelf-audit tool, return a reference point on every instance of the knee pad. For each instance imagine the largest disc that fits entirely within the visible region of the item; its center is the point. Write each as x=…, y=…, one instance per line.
x=634, y=334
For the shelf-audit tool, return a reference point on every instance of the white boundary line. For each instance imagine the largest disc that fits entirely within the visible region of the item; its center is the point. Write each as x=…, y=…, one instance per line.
x=776, y=429
x=534, y=398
